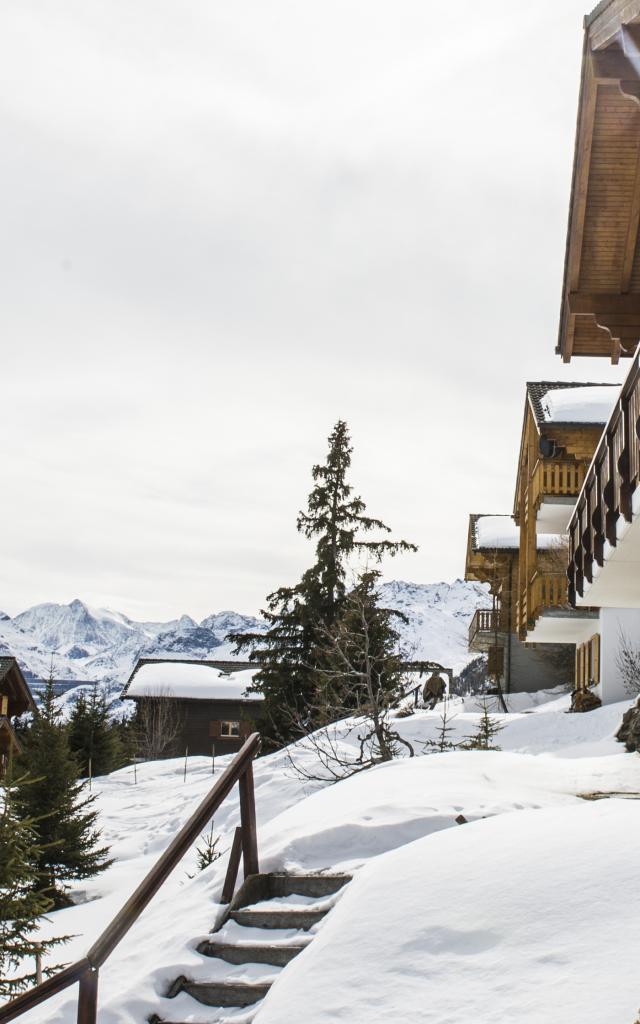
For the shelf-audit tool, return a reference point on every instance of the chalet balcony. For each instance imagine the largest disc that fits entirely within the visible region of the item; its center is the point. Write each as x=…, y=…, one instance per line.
x=545, y=614
x=486, y=624
x=604, y=530
x=554, y=486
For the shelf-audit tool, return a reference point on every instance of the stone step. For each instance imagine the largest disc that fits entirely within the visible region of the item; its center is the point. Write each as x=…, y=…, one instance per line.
x=221, y=993
x=305, y=885
x=256, y=953
x=253, y=917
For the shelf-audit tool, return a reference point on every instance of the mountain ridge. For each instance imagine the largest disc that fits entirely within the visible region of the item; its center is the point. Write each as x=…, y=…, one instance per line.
x=81, y=644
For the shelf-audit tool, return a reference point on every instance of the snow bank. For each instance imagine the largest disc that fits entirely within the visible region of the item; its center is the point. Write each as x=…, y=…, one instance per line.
x=533, y=917
x=430, y=897
x=580, y=405
x=191, y=682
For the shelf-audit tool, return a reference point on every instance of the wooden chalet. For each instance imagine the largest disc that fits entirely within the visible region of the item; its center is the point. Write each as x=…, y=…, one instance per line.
x=210, y=700
x=493, y=557
x=562, y=425
x=600, y=316
x=600, y=309
x=15, y=700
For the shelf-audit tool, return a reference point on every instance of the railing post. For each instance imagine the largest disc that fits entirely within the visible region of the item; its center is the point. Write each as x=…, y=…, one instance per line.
x=88, y=997
x=232, y=868
x=248, y=819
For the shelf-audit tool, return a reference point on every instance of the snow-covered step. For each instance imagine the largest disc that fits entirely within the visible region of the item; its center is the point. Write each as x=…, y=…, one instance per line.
x=305, y=885
x=270, y=917
x=221, y=993
x=279, y=954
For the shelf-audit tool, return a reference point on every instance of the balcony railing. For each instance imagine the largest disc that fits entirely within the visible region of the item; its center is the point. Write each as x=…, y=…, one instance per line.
x=606, y=496
x=556, y=479
x=485, y=620
x=546, y=591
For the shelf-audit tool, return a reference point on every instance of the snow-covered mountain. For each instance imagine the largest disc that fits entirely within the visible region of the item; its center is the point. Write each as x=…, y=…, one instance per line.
x=84, y=644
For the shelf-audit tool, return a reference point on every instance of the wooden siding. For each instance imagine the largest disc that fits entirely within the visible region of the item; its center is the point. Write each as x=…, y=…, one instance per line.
x=600, y=313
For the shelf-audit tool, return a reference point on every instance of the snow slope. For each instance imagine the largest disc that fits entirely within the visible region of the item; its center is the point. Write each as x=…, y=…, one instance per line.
x=89, y=644
x=529, y=912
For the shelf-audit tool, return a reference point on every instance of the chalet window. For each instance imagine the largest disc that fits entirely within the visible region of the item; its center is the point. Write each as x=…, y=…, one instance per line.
x=231, y=729
x=4, y=706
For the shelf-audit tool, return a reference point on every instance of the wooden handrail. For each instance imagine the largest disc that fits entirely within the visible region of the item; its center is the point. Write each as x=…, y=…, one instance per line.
x=86, y=970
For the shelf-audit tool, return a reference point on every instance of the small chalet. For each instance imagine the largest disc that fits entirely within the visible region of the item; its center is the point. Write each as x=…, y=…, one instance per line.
x=15, y=699
x=213, y=707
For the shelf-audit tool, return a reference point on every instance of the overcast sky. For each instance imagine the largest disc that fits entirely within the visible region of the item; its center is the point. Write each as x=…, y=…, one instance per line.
x=224, y=226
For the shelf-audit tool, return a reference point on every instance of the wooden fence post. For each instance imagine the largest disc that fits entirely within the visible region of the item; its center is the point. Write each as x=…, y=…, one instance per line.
x=232, y=868
x=248, y=819
x=88, y=997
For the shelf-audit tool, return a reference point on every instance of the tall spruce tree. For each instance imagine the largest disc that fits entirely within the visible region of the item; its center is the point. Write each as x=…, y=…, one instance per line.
x=51, y=796
x=23, y=900
x=287, y=652
x=93, y=737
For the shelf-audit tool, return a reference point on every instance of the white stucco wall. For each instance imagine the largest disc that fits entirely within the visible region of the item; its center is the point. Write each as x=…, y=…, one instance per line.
x=613, y=623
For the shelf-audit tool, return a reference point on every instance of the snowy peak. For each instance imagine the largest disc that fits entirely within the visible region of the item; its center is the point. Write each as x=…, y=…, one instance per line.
x=89, y=644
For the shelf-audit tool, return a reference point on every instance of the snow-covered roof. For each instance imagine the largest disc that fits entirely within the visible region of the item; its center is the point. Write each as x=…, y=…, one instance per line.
x=502, y=532
x=588, y=404
x=190, y=681
x=497, y=532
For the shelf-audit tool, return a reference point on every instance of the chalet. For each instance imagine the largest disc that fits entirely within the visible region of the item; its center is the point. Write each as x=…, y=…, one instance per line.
x=209, y=698
x=493, y=557
x=600, y=316
x=15, y=699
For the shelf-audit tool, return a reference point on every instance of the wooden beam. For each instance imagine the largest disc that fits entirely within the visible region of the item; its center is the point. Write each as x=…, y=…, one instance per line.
x=583, y=304
x=631, y=243
x=581, y=184
x=608, y=19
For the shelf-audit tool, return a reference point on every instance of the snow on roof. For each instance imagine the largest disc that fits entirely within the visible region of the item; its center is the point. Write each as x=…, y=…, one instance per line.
x=502, y=532
x=191, y=682
x=497, y=532
x=592, y=404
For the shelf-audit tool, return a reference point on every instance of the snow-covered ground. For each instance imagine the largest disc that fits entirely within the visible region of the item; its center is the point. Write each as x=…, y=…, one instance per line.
x=528, y=912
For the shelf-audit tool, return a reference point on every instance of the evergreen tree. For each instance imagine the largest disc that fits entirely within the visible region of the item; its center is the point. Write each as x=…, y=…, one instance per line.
x=488, y=729
x=52, y=798
x=442, y=742
x=297, y=616
x=23, y=901
x=93, y=737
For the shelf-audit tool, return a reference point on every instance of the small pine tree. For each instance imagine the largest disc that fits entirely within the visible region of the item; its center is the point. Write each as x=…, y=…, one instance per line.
x=93, y=737
x=51, y=797
x=23, y=901
x=442, y=742
x=297, y=617
x=208, y=852
x=488, y=729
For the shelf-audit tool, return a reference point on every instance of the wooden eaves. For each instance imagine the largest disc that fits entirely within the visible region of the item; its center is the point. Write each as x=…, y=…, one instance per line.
x=600, y=306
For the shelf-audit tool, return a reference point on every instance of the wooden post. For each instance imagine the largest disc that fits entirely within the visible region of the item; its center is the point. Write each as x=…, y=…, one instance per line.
x=213, y=758
x=248, y=819
x=232, y=868
x=186, y=755
x=88, y=997
x=39, y=967
x=90, y=775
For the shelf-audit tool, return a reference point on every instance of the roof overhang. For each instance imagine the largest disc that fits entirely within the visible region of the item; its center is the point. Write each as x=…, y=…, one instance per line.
x=600, y=307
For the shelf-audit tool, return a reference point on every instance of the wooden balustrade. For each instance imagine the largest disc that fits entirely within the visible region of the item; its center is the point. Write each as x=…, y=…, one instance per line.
x=546, y=590
x=85, y=971
x=556, y=478
x=607, y=492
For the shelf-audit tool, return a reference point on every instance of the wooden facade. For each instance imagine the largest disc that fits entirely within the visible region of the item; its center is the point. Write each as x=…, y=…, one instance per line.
x=15, y=700
x=600, y=307
x=205, y=724
x=553, y=462
x=607, y=497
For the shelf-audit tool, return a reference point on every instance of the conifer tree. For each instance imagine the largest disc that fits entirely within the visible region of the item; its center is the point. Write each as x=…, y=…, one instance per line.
x=488, y=729
x=52, y=798
x=23, y=900
x=286, y=653
x=93, y=738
